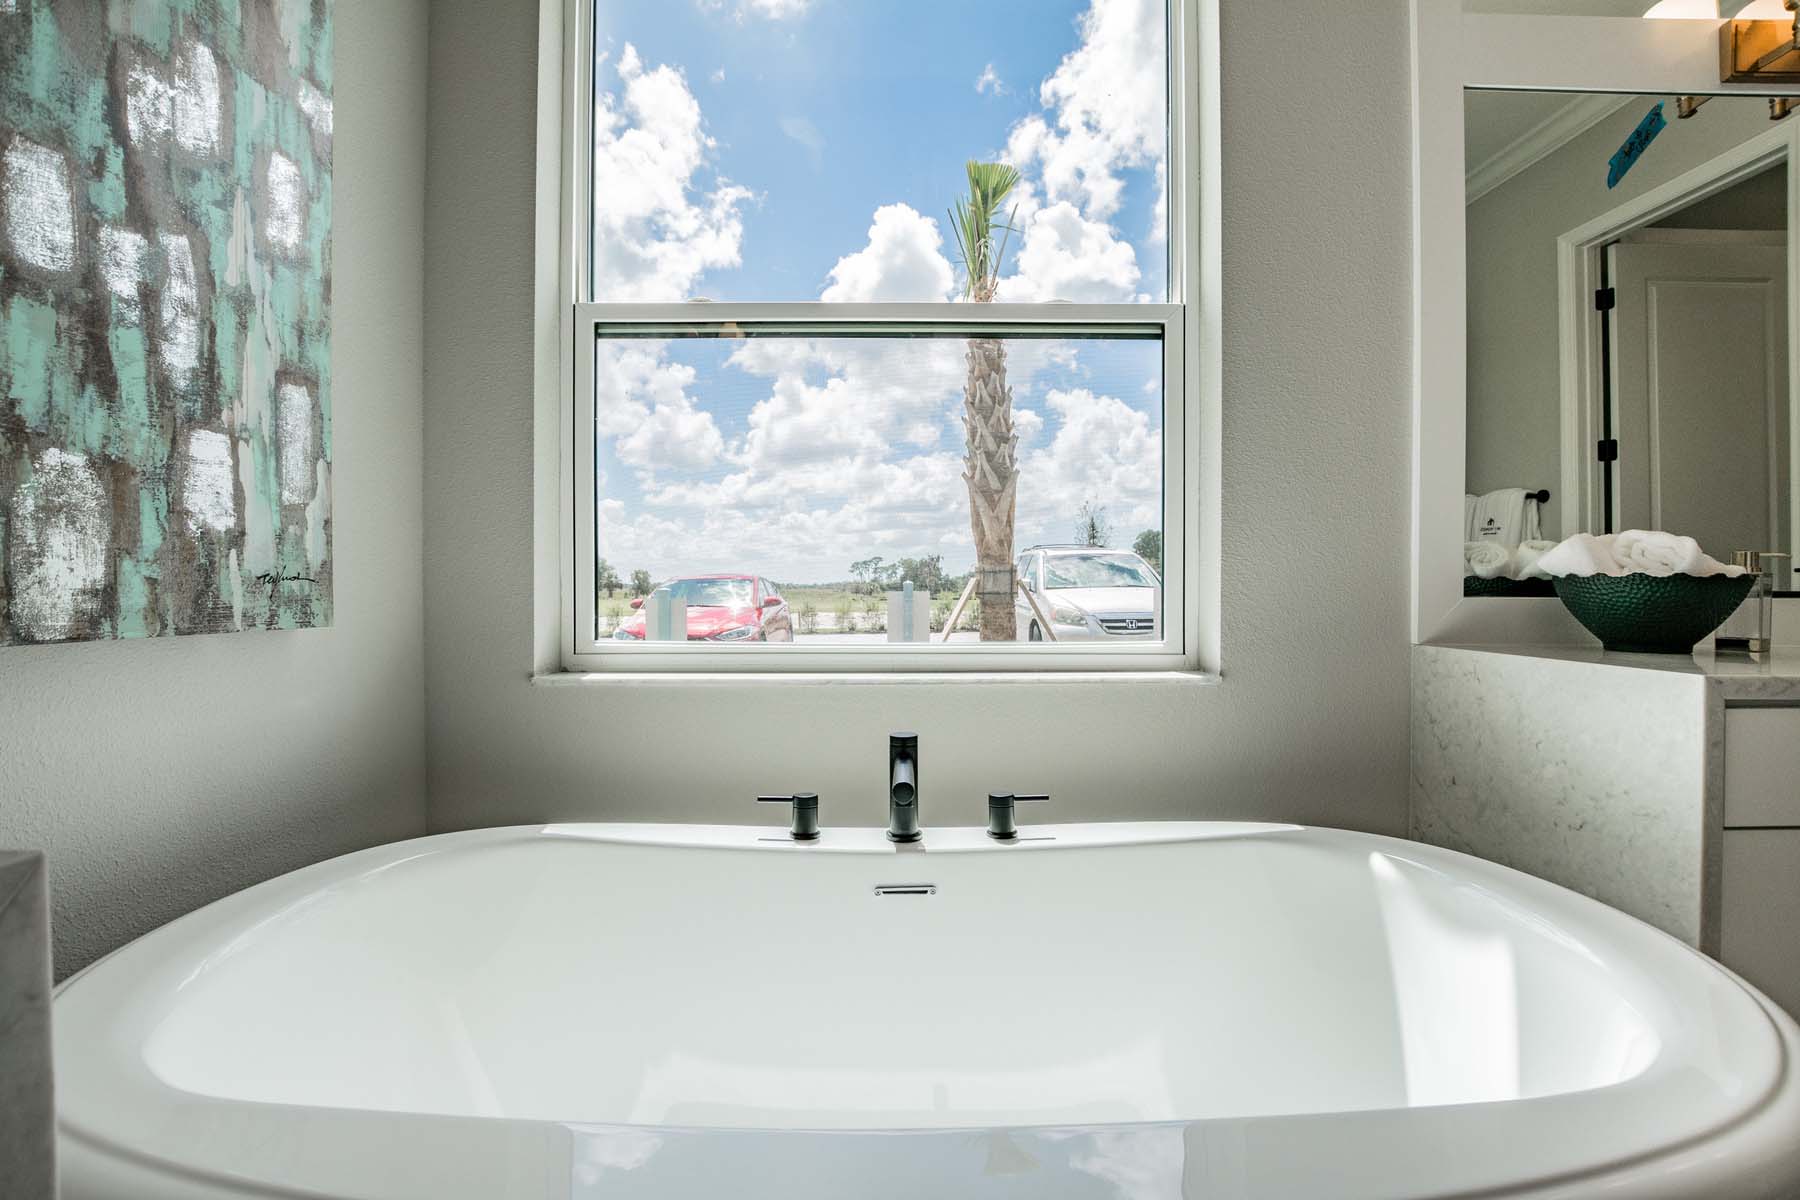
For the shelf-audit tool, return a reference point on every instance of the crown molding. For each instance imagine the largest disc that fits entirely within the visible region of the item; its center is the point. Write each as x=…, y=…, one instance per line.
x=1541, y=140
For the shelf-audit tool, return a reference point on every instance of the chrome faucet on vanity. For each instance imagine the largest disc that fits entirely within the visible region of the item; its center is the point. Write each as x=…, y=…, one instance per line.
x=903, y=787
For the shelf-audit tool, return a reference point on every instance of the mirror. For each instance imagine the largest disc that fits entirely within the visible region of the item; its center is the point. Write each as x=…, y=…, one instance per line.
x=1628, y=356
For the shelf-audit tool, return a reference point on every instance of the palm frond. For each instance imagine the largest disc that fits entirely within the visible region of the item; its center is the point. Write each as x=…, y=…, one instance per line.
x=975, y=222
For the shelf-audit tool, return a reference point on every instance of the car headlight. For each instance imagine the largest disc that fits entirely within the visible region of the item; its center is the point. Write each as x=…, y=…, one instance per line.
x=734, y=635
x=1062, y=614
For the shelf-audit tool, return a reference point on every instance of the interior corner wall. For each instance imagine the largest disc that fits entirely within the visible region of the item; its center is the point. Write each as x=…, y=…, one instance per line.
x=159, y=775
x=1310, y=721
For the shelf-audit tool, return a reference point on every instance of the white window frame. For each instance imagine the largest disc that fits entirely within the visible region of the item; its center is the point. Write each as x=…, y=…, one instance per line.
x=1187, y=325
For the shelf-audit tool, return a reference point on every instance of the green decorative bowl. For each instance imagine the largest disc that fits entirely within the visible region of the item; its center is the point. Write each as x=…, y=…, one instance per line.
x=1652, y=614
x=1475, y=585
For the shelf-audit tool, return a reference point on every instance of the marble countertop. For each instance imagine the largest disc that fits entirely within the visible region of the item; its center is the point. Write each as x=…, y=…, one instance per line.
x=1773, y=676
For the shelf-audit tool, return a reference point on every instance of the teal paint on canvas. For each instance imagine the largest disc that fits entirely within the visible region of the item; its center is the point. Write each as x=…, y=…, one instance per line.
x=165, y=297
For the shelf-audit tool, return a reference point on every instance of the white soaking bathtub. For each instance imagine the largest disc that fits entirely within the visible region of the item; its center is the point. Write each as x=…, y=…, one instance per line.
x=1184, y=1011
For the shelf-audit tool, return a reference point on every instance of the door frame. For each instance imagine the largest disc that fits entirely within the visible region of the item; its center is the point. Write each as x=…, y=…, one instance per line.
x=1578, y=276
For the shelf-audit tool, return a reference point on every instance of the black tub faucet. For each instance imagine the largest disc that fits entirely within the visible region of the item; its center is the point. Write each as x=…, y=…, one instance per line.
x=805, y=824
x=1003, y=825
x=903, y=787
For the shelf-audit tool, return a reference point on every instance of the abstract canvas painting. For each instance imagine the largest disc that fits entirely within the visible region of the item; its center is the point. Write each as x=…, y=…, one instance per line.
x=165, y=336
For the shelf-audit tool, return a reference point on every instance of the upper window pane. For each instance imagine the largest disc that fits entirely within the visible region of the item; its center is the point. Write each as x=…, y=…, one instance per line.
x=761, y=150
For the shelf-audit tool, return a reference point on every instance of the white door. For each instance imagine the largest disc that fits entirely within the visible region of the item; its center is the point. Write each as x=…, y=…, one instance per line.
x=1700, y=382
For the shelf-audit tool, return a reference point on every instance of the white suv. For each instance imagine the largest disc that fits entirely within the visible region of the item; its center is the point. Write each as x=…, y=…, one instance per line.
x=1088, y=593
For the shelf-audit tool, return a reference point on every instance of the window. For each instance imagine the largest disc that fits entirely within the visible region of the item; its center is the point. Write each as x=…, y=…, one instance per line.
x=880, y=343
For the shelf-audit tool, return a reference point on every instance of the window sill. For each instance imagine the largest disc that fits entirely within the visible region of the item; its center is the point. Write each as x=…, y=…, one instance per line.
x=586, y=679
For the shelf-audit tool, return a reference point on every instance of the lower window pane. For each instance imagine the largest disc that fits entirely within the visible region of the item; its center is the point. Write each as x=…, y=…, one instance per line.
x=878, y=489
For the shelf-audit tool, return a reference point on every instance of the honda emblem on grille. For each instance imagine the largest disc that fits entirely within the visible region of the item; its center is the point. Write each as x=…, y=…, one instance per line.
x=1131, y=625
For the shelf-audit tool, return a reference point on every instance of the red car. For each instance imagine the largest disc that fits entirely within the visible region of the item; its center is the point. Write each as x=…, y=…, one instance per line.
x=721, y=608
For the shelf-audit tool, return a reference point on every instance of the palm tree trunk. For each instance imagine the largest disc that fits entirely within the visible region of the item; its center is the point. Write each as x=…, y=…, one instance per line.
x=991, y=470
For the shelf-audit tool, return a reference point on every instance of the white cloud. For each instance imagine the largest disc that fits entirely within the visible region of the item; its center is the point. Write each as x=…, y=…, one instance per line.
x=806, y=521
x=1107, y=104
x=989, y=82
x=1066, y=256
x=903, y=261
x=1159, y=221
x=877, y=393
x=768, y=10
x=1104, y=450
x=1027, y=423
x=1106, y=111
x=799, y=424
x=775, y=10
x=804, y=132
x=643, y=403
x=655, y=231
x=806, y=524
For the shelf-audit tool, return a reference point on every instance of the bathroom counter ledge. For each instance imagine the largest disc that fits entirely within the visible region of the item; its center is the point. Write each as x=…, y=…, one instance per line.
x=1734, y=679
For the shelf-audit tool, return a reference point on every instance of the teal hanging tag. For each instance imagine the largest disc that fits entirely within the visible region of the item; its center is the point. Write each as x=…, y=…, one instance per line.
x=1627, y=155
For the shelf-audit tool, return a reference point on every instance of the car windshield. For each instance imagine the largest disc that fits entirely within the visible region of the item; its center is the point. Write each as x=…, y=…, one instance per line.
x=1096, y=570
x=710, y=593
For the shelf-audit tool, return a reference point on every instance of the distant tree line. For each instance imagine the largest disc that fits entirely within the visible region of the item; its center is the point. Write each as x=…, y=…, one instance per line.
x=606, y=579
x=876, y=575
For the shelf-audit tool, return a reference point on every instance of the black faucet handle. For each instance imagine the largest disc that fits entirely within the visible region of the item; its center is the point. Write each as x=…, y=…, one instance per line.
x=1001, y=824
x=805, y=826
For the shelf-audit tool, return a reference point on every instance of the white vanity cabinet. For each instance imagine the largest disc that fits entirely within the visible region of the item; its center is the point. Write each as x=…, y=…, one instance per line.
x=1666, y=786
x=1759, y=905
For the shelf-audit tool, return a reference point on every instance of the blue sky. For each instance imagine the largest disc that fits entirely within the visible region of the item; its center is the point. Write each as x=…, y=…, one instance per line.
x=807, y=149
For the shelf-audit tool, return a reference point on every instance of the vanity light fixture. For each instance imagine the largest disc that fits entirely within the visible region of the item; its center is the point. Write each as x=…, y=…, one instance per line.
x=1709, y=10
x=1759, y=50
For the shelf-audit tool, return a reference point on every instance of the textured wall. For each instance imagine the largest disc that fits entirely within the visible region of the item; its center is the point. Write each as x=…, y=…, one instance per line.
x=1310, y=721
x=160, y=775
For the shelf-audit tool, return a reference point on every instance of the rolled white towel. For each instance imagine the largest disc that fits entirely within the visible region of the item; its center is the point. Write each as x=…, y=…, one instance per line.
x=1525, y=559
x=1582, y=554
x=1600, y=554
x=1488, y=560
x=1712, y=566
x=1653, y=552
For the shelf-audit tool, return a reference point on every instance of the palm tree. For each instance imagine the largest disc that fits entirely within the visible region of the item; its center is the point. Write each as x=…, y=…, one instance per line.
x=990, y=460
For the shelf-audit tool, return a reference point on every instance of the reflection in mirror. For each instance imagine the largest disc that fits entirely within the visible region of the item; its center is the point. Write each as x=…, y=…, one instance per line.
x=1627, y=326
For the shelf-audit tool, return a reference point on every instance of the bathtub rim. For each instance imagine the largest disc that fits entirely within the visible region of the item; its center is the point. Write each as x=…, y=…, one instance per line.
x=1763, y=1131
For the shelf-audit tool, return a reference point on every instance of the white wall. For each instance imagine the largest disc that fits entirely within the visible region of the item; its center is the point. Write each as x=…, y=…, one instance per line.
x=1514, y=395
x=1759, y=202
x=160, y=775
x=1310, y=723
